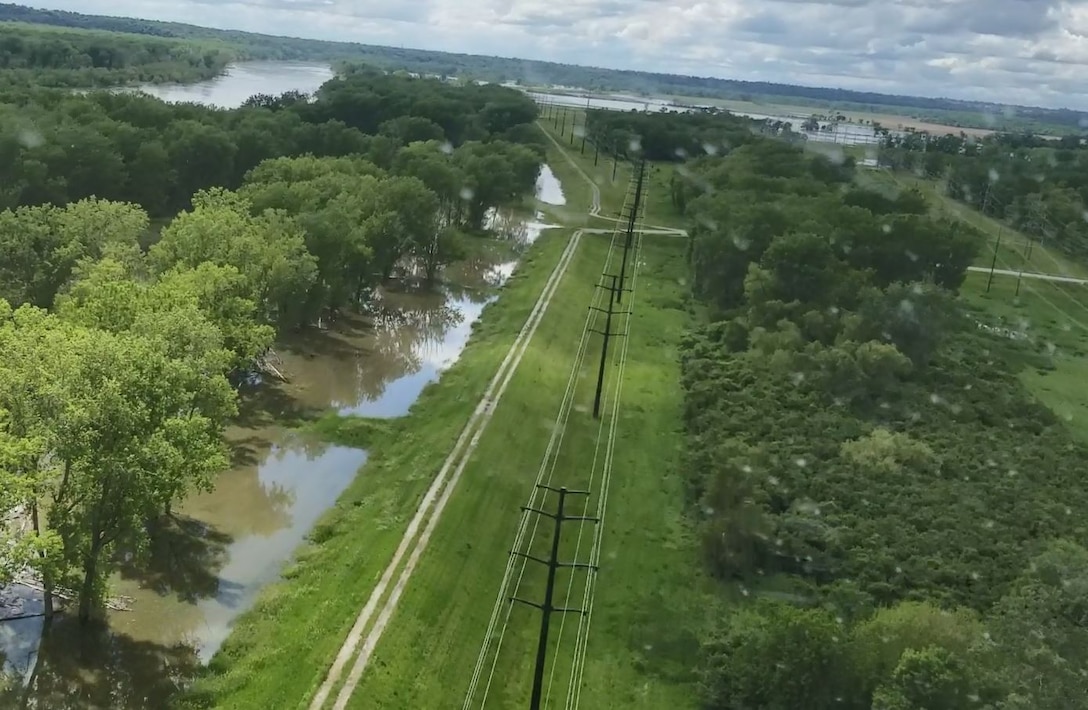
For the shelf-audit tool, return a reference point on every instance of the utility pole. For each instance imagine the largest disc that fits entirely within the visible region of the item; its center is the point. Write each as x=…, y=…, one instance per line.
x=596, y=151
x=631, y=225
x=585, y=126
x=615, y=157
x=608, y=334
x=553, y=564
x=563, y=123
x=997, y=244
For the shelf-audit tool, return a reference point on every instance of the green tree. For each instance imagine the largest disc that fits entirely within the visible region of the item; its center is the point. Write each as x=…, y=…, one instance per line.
x=777, y=657
x=1041, y=628
x=269, y=250
x=928, y=679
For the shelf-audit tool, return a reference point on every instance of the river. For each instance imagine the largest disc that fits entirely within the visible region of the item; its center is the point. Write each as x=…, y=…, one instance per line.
x=830, y=132
x=230, y=543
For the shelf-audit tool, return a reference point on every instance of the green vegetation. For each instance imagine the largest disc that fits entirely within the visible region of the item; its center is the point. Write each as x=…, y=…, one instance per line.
x=1036, y=187
x=59, y=147
x=33, y=55
x=116, y=384
x=846, y=423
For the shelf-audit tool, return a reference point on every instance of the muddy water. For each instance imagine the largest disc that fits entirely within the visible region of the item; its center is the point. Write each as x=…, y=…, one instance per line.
x=228, y=544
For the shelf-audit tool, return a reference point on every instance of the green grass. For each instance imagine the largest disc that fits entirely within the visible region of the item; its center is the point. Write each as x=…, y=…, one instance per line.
x=1054, y=355
x=648, y=608
x=279, y=651
x=612, y=191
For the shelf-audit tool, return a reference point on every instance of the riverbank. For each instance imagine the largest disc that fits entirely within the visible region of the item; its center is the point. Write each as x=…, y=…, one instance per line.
x=282, y=647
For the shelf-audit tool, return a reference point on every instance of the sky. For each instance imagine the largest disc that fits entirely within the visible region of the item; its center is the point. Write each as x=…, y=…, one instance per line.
x=1030, y=52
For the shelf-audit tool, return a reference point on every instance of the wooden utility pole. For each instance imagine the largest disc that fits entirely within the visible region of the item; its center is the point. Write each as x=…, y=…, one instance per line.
x=553, y=564
x=631, y=226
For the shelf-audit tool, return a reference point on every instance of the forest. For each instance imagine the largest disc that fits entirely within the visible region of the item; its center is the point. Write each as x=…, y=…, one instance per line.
x=891, y=520
x=1038, y=187
x=541, y=73
x=33, y=55
x=124, y=344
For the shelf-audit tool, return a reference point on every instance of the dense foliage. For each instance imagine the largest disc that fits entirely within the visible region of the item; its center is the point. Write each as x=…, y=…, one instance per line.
x=1038, y=187
x=538, y=73
x=58, y=147
x=121, y=345
x=36, y=56
x=672, y=137
x=857, y=448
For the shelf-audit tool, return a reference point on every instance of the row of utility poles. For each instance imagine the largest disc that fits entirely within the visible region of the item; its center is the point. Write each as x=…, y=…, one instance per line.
x=557, y=113
x=1037, y=223
x=615, y=283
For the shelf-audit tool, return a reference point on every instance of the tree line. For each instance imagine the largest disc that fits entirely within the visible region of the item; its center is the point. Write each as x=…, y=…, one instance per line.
x=864, y=462
x=121, y=352
x=59, y=147
x=672, y=136
x=41, y=56
x=1038, y=187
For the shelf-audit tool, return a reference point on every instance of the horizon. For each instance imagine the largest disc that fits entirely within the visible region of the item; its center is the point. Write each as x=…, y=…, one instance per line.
x=1010, y=52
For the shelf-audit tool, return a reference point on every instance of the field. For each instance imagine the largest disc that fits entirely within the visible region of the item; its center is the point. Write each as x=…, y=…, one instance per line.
x=1051, y=316
x=647, y=598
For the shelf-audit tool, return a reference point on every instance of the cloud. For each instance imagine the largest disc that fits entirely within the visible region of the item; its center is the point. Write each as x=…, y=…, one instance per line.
x=1013, y=51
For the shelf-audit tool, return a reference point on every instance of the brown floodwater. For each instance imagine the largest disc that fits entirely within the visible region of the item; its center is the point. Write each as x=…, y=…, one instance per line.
x=226, y=545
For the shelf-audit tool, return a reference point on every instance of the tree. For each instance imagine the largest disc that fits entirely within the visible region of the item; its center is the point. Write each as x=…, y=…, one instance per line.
x=269, y=251
x=777, y=657
x=926, y=679
x=1041, y=628
x=140, y=428
x=43, y=244
x=882, y=649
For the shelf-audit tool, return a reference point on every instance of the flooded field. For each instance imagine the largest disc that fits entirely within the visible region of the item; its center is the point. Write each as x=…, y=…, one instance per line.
x=226, y=545
x=223, y=547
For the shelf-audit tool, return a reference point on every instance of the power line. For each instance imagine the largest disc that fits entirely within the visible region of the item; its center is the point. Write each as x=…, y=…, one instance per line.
x=553, y=564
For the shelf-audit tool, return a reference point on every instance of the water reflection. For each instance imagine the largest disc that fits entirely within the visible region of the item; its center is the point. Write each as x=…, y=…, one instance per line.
x=242, y=80
x=548, y=188
x=90, y=668
x=208, y=563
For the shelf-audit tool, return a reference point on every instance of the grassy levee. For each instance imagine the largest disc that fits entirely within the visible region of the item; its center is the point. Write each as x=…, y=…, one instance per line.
x=278, y=651
x=612, y=191
x=642, y=645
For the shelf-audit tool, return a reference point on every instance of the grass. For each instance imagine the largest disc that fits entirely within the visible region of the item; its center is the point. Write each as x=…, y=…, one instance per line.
x=648, y=607
x=1054, y=354
x=612, y=190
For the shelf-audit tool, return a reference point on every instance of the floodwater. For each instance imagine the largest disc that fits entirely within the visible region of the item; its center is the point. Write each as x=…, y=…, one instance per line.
x=548, y=188
x=226, y=545
x=244, y=79
x=841, y=133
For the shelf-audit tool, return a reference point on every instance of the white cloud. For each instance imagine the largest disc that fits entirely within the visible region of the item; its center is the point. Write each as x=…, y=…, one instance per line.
x=1014, y=51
